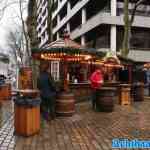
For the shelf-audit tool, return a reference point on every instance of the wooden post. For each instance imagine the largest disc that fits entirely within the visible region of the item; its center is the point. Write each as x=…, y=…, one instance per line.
x=130, y=73
x=65, y=66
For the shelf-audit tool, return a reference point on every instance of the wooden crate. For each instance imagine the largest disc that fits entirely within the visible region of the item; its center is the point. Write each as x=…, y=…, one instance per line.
x=27, y=120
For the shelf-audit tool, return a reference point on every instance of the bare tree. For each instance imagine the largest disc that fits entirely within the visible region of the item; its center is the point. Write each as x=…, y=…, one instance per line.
x=17, y=39
x=4, y=4
x=16, y=44
x=128, y=21
x=24, y=29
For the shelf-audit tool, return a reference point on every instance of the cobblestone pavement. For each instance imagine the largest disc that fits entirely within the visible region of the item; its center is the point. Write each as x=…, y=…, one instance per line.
x=7, y=139
x=86, y=130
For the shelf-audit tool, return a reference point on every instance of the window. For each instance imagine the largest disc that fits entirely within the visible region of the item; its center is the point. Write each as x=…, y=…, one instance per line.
x=55, y=70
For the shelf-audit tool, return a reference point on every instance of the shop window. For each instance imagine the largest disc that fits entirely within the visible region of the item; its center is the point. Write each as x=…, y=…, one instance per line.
x=55, y=70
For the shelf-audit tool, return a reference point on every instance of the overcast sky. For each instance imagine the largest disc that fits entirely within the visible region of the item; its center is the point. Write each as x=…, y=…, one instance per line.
x=8, y=22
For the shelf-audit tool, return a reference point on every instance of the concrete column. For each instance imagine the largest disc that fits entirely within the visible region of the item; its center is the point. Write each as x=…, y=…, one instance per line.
x=58, y=36
x=83, y=40
x=83, y=21
x=68, y=7
x=68, y=27
x=113, y=27
x=58, y=19
x=83, y=15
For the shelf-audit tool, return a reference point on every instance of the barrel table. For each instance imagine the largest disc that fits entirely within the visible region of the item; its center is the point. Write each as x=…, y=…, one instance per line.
x=105, y=100
x=125, y=94
x=138, y=91
x=65, y=104
x=27, y=115
x=25, y=78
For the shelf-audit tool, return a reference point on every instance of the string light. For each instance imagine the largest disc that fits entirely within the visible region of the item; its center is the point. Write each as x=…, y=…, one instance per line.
x=56, y=56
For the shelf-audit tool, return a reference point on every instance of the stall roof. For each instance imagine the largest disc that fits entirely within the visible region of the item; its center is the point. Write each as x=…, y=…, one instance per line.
x=68, y=46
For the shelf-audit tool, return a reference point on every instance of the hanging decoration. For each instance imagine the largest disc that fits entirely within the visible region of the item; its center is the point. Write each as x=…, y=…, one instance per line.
x=111, y=60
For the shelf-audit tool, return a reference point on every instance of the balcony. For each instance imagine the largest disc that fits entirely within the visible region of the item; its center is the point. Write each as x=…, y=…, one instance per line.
x=73, y=11
x=106, y=18
x=142, y=10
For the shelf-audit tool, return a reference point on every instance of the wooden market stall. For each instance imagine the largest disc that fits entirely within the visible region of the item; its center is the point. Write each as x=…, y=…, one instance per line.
x=122, y=93
x=75, y=63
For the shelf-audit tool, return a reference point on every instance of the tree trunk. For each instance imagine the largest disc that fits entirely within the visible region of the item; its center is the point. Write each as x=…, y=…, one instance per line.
x=127, y=25
x=25, y=33
x=49, y=29
x=125, y=45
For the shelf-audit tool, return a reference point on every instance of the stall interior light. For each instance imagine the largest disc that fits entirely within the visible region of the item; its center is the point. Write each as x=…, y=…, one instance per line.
x=59, y=56
x=113, y=65
x=88, y=57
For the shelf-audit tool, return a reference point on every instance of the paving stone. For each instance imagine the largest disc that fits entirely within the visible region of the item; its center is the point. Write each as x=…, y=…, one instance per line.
x=86, y=130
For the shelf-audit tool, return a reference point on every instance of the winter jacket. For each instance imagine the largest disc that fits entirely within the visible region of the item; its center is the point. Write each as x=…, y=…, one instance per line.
x=46, y=85
x=96, y=79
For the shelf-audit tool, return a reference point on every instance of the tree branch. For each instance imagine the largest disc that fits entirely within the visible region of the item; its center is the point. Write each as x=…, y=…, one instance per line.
x=138, y=3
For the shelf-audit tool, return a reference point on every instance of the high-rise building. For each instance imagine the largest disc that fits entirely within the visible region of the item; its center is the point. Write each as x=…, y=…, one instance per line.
x=42, y=23
x=98, y=24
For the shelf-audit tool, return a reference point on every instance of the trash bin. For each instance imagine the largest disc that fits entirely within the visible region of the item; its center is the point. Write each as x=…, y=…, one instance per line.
x=138, y=91
x=125, y=94
x=105, y=100
x=27, y=115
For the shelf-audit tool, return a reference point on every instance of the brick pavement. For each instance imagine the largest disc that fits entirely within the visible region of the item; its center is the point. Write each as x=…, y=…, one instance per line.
x=86, y=130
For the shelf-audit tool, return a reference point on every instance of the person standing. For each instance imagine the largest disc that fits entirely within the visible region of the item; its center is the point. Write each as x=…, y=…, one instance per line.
x=47, y=89
x=96, y=80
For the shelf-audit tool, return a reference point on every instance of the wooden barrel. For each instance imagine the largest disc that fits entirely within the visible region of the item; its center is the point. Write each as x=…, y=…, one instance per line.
x=25, y=78
x=105, y=100
x=138, y=92
x=5, y=92
x=65, y=104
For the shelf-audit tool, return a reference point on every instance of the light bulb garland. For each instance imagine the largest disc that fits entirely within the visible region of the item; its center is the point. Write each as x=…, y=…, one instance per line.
x=59, y=56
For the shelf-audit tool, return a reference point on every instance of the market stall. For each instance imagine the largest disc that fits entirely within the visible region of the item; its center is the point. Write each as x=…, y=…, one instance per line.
x=123, y=90
x=75, y=63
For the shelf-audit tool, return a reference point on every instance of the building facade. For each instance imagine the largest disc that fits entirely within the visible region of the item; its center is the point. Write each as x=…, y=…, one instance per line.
x=42, y=22
x=97, y=24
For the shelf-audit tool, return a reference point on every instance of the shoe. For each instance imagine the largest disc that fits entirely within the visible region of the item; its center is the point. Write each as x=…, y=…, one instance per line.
x=46, y=116
x=53, y=116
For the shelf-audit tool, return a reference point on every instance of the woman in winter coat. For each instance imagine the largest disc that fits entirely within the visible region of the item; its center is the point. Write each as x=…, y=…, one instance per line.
x=96, y=80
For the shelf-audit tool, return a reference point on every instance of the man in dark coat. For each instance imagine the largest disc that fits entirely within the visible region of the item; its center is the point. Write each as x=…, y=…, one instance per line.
x=47, y=91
